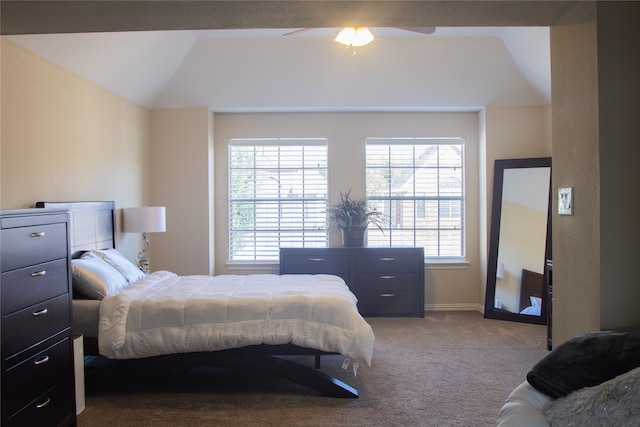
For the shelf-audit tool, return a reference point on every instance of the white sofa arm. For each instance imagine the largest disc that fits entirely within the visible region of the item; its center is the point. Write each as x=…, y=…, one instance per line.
x=524, y=407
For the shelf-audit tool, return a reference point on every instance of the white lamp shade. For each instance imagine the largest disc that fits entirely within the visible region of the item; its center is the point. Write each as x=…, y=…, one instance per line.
x=351, y=36
x=145, y=220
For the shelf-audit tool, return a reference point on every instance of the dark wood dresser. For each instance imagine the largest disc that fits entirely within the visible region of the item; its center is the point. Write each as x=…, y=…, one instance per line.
x=386, y=281
x=38, y=387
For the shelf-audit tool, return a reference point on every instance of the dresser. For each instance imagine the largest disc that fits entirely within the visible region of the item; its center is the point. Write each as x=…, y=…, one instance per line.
x=386, y=281
x=38, y=386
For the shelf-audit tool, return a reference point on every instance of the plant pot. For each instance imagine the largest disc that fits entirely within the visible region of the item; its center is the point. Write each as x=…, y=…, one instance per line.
x=353, y=237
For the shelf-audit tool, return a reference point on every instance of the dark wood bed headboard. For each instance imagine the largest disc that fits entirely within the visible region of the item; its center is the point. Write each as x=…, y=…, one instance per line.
x=532, y=284
x=93, y=224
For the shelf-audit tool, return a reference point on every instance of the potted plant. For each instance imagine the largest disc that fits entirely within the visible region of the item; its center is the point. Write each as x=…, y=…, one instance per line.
x=352, y=218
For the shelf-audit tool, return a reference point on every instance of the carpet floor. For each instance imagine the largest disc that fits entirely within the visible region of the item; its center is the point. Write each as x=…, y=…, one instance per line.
x=448, y=369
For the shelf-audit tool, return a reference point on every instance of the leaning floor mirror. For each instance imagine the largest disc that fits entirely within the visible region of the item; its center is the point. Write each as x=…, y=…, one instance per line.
x=519, y=241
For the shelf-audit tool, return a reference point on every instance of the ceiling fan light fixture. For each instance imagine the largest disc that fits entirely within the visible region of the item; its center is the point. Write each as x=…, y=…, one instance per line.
x=354, y=36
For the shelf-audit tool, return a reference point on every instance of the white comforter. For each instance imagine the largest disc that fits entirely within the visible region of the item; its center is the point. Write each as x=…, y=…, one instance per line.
x=165, y=314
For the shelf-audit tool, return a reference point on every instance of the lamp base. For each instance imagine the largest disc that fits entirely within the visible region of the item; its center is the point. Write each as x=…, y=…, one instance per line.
x=143, y=264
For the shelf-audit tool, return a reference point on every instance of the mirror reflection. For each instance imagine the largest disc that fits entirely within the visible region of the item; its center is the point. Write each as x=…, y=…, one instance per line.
x=519, y=240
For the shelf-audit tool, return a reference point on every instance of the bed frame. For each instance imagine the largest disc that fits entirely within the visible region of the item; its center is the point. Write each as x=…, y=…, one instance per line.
x=93, y=226
x=531, y=284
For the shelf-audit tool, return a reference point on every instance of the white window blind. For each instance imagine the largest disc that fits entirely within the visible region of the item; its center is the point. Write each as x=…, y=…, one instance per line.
x=277, y=196
x=419, y=184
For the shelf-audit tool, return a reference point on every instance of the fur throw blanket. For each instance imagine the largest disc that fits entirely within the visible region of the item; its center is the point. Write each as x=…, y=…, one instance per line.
x=613, y=403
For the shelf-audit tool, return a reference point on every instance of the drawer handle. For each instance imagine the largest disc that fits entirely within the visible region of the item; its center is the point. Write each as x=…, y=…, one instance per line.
x=387, y=277
x=38, y=234
x=41, y=312
x=38, y=273
x=387, y=259
x=42, y=360
x=388, y=295
x=44, y=404
x=316, y=259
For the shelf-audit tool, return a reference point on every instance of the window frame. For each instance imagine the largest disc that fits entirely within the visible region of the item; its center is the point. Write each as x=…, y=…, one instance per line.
x=419, y=203
x=317, y=234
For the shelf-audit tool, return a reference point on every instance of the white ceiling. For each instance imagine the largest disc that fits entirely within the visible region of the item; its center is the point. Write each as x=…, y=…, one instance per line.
x=260, y=70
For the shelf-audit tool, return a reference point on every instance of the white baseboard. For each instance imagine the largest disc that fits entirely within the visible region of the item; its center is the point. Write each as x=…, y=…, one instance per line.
x=454, y=307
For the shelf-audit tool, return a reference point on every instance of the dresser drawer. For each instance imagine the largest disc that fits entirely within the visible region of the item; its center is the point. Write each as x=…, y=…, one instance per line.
x=29, y=326
x=26, y=286
x=387, y=282
x=388, y=302
x=55, y=407
x=37, y=374
x=387, y=262
x=24, y=246
x=316, y=264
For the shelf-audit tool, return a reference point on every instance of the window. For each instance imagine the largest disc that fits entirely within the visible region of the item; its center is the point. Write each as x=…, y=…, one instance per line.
x=419, y=184
x=277, y=196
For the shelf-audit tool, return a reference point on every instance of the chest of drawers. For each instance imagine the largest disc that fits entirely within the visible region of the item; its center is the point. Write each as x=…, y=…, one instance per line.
x=386, y=281
x=35, y=299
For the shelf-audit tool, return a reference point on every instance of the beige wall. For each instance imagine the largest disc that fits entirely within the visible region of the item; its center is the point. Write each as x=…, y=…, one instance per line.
x=576, y=238
x=181, y=180
x=595, y=91
x=594, y=127
x=520, y=247
x=66, y=139
x=508, y=133
x=454, y=286
x=618, y=109
x=89, y=144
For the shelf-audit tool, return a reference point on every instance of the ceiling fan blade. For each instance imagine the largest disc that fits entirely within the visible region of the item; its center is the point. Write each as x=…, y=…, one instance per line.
x=302, y=30
x=421, y=30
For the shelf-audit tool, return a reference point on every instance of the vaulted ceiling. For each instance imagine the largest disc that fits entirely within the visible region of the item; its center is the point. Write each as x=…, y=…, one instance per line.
x=236, y=65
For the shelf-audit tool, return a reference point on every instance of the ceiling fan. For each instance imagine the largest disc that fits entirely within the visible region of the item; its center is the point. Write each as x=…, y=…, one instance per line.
x=360, y=36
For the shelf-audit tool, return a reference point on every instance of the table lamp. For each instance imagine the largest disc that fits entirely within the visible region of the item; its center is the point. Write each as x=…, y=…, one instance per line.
x=144, y=220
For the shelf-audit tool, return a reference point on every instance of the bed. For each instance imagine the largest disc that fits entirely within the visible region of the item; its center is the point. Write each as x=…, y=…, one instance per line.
x=233, y=321
x=592, y=379
x=531, y=291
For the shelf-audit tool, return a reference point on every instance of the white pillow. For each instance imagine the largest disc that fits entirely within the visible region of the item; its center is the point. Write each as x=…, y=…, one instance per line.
x=118, y=261
x=94, y=278
x=535, y=301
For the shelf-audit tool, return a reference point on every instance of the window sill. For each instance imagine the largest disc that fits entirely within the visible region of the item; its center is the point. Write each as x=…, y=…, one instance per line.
x=430, y=264
x=446, y=264
x=252, y=265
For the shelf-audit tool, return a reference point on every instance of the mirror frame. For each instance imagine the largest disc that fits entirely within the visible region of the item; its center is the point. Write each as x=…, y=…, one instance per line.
x=494, y=239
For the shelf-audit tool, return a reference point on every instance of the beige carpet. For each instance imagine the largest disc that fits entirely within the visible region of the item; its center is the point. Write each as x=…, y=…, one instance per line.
x=448, y=369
